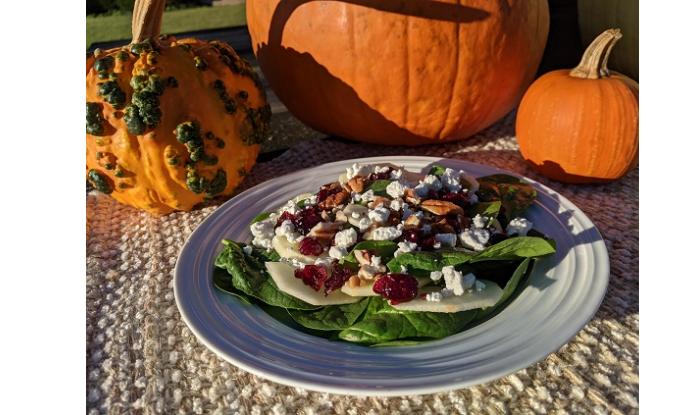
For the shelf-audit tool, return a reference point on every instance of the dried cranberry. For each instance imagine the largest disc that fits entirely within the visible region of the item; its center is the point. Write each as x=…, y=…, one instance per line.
x=396, y=287
x=410, y=235
x=339, y=275
x=312, y=275
x=284, y=217
x=427, y=242
x=383, y=175
x=306, y=219
x=310, y=246
x=327, y=190
x=460, y=198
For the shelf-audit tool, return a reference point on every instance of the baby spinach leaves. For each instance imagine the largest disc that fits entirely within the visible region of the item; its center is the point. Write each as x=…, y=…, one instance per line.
x=515, y=195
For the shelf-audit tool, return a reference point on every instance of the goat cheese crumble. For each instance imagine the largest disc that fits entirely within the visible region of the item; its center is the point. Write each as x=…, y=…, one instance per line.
x=404, y=247
x=518, y=226
x=385, y=233
x=346, y=238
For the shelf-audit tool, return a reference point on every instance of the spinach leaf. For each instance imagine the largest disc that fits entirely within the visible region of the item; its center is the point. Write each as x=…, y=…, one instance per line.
x=383, y=249
x=437, y=171
x=331, y=317
x=421, y=264
x=515, y=248
x=250, y=276
x=223, y=282
x=265, y=255
x=490, y=209
x=515, y=195
x=260, y=217
x=379, y=187
x=383, y=323
x=508, y=290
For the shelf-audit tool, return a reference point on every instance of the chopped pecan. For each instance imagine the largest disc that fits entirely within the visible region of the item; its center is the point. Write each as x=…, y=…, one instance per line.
x=362, y=256
x=377, y=201
x=334, y=200
x=356, y=184
x=340, y=216
x=413, y=221
x=441, y=207
x=411, y=197
x=354, y=281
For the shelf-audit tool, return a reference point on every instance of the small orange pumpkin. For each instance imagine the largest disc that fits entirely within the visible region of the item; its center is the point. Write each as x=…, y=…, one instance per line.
x=171, y=123
x=581, y=125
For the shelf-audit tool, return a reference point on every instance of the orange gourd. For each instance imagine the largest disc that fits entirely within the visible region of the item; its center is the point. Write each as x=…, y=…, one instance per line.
x=581, y=125
x=170, y=123
x=405, y=72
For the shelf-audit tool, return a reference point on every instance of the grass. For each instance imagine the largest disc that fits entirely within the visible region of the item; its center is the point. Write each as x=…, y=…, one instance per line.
x=118, y=26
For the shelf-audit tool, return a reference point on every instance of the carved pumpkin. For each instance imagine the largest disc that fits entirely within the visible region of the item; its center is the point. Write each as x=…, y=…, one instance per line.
x=403, y=72
x=170, y=123
x=581, y=125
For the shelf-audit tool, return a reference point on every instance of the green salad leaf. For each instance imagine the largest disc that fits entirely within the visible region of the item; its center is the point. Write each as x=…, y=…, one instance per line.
x=515, y=195
x=437, y=170
x=383, y=323
x=223, y=281
x=507, y=291
x=331, y=317
x=250, y=277
x=515, y=248
x=260, y=217
x=379, y=187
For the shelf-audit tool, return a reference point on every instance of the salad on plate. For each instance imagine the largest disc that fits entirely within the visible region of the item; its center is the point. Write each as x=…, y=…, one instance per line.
x=384, y=256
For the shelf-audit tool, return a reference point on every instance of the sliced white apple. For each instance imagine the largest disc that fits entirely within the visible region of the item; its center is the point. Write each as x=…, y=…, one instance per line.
x=366, y=290
x=287, y=249
x=284, y=276
x=468, y=301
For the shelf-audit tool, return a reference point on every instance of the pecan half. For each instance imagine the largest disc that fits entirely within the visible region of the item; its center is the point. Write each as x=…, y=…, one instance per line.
x=378, y=201
x=356, y=184
x=334, y=200
x=441, y=207
x=413, y=221
x=411, y=197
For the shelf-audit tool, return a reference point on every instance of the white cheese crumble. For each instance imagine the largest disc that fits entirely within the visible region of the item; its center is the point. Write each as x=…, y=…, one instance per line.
x=381, y=169
x=363, y=197
x=426, y=228
x=479, y=285
x=395, y=189
x=518, y=226
x=358, y=170
x=385, y=233
x=345, y=238
x=287, y=229
x=404, y=247
x=312, y=200
x=432, y=183
x=435, y=296
x=396, y=174
x=290, y=207
x=248, y=249
x=325, y=261
x=364, y=223
x=449, y=239
x=474, y=238
x=380, y=214
x=263, y=232
x=455, y=282
x=421, y=190
x=375, y=261
x=436, y=275
x=480, y=222
x=337, y=252
x=451, y=180
x=407, y=212
x=404, y=269
x=397, y=204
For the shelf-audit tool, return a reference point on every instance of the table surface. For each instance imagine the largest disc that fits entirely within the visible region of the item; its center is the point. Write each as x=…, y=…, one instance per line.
x=141, y=358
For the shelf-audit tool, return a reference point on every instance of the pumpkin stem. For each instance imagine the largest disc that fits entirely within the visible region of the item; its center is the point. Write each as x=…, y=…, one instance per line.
x=593, y=63
x=146, y=20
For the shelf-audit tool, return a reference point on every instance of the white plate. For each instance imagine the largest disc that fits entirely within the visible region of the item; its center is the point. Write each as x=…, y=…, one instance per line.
x=563, y=293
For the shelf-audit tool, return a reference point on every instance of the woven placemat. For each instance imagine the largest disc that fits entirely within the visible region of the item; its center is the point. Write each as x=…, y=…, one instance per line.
x=141, y=358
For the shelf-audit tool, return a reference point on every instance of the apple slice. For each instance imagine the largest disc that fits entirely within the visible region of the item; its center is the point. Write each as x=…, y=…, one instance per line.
x=287, y=249
x=366, y=290
x=468, y=301
x=284, y=276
